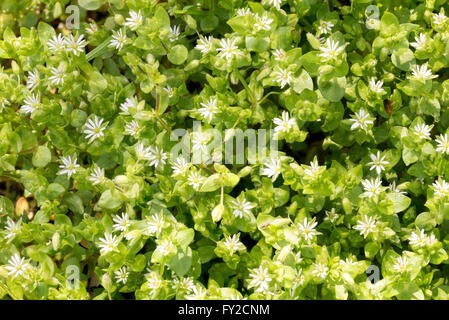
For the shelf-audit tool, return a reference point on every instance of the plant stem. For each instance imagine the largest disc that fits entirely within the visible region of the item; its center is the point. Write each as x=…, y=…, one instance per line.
x=248, y=90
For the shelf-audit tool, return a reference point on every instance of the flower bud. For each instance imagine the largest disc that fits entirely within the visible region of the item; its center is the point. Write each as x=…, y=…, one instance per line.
x=217, y=213
x=21, y=206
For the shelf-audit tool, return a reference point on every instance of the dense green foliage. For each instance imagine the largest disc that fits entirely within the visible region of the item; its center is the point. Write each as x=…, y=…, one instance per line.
x=95, y=204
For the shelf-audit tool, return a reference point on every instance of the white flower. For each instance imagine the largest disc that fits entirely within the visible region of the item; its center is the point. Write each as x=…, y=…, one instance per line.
x=17, y=266
x=154, y=281
x=94, y=129
x=155, y=223
x=366, y=225
x=118, y=40
x=441, y=189
x=180, y=166
x=170, y=91
x=228, y=49
x=372, y=187
x=108, y=243
x=195, y=179
x=69, y=166
x=422, y=73
x=331, y=215
x=275, y=3
x=134, y=21
x=198, y=293
x=75, y=45
x=376, y=86
x=13, y=228
x=122, y=223
x=420, y=41
x=241, y=207
x=233, y=244
x=31, y=103
x=272, y=168
x=307, y=229
x=57, y=77
x=283, y=76
x=97, y=176
x=298, y=258
x=320, y=270
x=165, y=246
x=284, y=124
x=133, y=128
x=361, y=119
x=439, y=18
x=173, y=33
x=129, y=103
x=400, y=264
x=92, y=28
x=200, y=141
x=422, y=130
x=243, y=12
x=121, y=275
x=142, y=153
x=431, y=240
x=299, y=279
x=263, y=23
x=183, y=284
x=314, y=169
x=331, y=49
x=260, y=279
x=325, y=27
x=157, y=157
x=279, y=54
x=205, y=44
x=56, y=43
x=32, y=80
x=209, y=109
x=3, y=103
x=418, y=239
x=442, y=144
x=393, y=188
x=348, y=262
x=377, y=163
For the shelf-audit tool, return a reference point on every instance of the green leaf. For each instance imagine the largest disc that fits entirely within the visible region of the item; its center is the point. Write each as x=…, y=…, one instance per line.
x=212, y=183
x=177, y=54
x=403, y=59
x=91, y=4
x=41, y=157
x=182, y=262
x=400, y=201
x=334, y=89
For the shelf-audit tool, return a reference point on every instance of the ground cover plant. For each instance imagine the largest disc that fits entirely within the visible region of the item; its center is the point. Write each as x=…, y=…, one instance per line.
x=115, y=178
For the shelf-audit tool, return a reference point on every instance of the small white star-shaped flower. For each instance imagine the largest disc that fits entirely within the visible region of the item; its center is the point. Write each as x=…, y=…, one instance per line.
x=422, y=130
x=366, y=225
x=227, y=49
x=69, y=166
x=205, y=44
x=361, y=119
x=285, y=123
x=94, y=129
x=241, y=207
x=134, y=21
x=283, y=76
x=76, y=46
x=331, y=49
x=377, y=163
x=209, y=109
x=442, y=144
x=118, y=40
x=272, y=168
